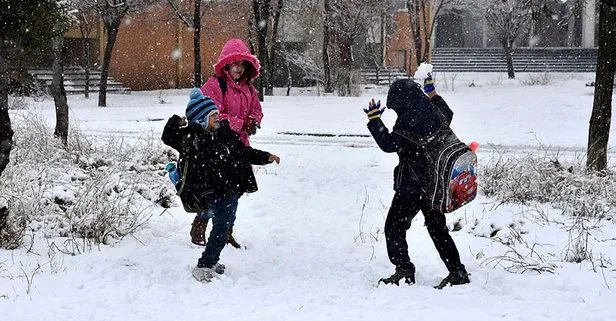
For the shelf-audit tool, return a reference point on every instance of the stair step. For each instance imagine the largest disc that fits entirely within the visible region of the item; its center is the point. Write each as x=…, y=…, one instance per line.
x=524, y=59
x=74, y=80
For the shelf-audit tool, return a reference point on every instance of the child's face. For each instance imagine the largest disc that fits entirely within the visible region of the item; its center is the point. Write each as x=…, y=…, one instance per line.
x=236, y=69
x=212, y=123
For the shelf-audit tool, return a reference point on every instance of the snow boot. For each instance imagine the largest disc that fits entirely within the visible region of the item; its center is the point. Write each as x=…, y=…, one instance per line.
x=408, y=274
x=203, y=274
x=197, y=231
x=231, y=240
x=454, y=278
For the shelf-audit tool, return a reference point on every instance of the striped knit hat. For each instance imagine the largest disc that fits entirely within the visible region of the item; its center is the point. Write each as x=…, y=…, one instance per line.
x=200, y=107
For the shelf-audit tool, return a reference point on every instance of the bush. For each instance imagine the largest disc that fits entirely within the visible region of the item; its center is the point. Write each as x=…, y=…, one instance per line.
x=96, y=192
x=543, y=79
x=533, y=177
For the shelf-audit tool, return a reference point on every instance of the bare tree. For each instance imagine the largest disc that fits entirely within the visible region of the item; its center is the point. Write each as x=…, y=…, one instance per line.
x=112, y=12
x=422, y=18
x=84, y=20
x=327, y=31
x=57, y=89
x=349, y=22
x=6, y=132
x=599, y=131
x=299, y=48
x=264, y=10
x=508, y=19
x=57, y=84
x=195, y=24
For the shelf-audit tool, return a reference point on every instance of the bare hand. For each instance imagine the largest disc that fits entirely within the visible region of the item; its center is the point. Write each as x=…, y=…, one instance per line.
x=273, y=158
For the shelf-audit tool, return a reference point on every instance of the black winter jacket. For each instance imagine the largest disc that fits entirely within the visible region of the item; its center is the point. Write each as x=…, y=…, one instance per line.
x=218, y=163
x=418, y=117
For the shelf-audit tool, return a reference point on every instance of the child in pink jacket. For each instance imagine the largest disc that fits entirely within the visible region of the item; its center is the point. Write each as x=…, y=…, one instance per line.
x=232, y=91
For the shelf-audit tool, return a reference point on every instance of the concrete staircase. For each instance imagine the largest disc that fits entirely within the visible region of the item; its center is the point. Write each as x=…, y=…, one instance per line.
x=524, y=60
x=386, y=75
x=75, y=79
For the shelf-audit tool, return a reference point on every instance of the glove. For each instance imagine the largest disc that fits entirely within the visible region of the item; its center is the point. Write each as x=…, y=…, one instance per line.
x=374, y=110
x=250, y=126
x=428, y=86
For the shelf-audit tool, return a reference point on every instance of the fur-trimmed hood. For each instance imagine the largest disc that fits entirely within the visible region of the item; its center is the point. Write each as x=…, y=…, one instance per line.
x=233, y=50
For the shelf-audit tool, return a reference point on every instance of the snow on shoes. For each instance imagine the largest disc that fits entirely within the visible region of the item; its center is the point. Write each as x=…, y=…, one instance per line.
x=205, y=274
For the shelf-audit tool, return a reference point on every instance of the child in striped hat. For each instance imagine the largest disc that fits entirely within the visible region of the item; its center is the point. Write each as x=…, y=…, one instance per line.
x=216, y=168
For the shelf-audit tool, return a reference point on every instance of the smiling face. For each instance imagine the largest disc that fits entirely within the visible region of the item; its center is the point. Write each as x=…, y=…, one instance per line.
x=236, y=69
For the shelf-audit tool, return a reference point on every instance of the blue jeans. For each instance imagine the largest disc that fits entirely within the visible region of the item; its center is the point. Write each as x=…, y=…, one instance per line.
x=222, y=211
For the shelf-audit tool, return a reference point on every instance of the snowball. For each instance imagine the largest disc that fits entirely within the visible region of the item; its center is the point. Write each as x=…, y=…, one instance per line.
x=422, y=71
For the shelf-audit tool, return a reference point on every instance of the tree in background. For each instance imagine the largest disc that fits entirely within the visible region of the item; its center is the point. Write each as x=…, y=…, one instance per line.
x=346, y=30
x=112, y=12
x=57, y=84
x=508, y=19
x=267, y=38
x=192, y=19
x=600, y=119
x=327, y=31
x=422, y=17
x=24, y=25
x=85, y=22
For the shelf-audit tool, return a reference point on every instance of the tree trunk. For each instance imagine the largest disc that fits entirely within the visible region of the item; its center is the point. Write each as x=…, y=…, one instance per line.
x=262, y=12
x=112, y=33
x=327, y=78
x=86, y=68
x=383, y=40
x=85, y=41
x=600, y=119
x=197, y=44
x=6, y=132
x=509, y=58
x=414, y=14
x=57, y=90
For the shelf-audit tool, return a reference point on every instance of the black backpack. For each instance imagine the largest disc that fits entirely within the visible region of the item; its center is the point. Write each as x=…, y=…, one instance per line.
x=190, y=199
x=449, y=179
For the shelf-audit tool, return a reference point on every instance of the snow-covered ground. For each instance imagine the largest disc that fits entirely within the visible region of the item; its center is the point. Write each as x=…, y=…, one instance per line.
x=313, y=232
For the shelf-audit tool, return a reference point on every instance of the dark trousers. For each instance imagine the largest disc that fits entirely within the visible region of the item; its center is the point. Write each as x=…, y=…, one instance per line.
x=403, y=209
x=222, y=211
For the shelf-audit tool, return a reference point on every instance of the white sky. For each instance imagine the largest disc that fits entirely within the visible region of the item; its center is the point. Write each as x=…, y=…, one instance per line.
x=314, y=229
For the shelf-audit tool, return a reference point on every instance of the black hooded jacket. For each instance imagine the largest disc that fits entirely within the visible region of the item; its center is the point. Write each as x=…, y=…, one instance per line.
x=218, y=163
x=418, y=117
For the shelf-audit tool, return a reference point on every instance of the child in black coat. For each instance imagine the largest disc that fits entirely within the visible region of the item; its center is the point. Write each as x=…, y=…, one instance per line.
x=420, y=115
x=218, y=167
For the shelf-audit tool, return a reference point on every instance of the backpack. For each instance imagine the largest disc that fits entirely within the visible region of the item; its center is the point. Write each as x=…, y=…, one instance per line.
x=180, y=173
x=449, y=179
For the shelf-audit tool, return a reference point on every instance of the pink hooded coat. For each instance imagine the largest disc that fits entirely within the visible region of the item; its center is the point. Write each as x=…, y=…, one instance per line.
x=240, y=101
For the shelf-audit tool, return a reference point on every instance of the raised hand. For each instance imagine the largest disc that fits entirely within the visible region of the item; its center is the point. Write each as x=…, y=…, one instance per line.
x=374, y=110
x=428, y=86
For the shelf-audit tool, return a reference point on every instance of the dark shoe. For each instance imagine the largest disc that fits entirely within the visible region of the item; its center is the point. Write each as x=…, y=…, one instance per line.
x=231, y=240
x=454, y=278
x=197, y=232
x=219, y=268
x=408, y=274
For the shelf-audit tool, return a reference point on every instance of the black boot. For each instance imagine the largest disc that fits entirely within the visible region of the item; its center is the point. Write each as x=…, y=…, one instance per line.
x=454, y=278
x=408, y=274
x=197, y=231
